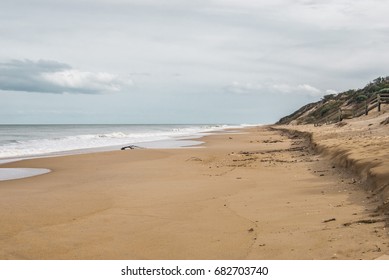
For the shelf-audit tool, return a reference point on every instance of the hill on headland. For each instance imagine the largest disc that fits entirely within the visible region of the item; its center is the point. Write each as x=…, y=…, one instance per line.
x=347, y=104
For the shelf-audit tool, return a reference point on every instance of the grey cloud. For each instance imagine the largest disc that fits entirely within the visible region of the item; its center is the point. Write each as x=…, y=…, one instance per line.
x=25, y=75
x=293, y=48
x=244, y=88
x=54, y=77
x=258, y=88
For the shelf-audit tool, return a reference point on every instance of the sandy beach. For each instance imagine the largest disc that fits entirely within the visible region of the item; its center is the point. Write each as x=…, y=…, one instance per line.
x=257, y=193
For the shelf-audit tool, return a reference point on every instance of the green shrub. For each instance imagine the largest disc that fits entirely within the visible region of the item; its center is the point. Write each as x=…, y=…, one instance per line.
x=360, y=98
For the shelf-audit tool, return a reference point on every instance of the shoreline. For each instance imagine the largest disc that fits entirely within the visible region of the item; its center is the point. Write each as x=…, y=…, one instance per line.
x=42, y=140
x=252, y=195
x=176, y=142
x=19, y=173
x=7, y=174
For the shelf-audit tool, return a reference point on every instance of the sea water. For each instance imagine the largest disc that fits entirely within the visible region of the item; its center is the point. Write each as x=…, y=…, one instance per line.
x=24, y=141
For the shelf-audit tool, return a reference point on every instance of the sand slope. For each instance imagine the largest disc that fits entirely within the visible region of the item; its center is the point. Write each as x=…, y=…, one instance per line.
x=360, y=145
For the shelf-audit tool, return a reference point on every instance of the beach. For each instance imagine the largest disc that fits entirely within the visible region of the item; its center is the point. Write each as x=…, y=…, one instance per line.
x=264, y=192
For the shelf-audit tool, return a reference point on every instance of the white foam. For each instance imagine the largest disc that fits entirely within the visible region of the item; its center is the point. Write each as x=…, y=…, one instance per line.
x=48, y=141
x=18, y=173
x=39, y=147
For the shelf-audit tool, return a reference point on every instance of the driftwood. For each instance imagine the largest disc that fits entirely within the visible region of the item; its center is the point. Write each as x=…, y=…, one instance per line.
x=367, y=221
x=131, y=147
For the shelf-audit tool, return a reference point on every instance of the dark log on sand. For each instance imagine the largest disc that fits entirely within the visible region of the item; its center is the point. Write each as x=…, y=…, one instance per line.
x=131, y=147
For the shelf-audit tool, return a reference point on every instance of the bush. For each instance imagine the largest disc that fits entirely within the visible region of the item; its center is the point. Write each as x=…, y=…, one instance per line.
x=360, y=98
x=327, y=108
x=328, y=97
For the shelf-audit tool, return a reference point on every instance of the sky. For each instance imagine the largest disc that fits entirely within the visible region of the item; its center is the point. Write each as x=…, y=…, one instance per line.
x=187, y=61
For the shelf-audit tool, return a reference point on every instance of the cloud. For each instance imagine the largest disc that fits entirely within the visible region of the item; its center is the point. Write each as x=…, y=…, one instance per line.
x=249, y=87
x=309, y=89
x=293, y=49
x=284, y=88
x=54, y=77
x=331, y=91
x=304, y=89
x=243, y=88
x=75, y=80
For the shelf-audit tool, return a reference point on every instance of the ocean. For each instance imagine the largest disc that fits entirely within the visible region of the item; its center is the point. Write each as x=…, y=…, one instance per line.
x=24, y=141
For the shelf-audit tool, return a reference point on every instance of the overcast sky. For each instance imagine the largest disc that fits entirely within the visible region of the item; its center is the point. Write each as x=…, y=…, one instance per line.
x=181, y=61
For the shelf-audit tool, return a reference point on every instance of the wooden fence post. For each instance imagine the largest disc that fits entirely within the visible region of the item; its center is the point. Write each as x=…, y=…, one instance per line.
x=379, y=102
x=366, y=108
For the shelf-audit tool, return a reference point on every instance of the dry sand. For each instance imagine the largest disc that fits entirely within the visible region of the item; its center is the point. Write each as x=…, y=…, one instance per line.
x=258, y=194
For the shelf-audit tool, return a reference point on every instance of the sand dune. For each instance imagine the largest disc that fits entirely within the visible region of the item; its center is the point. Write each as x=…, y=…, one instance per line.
x=360, y=145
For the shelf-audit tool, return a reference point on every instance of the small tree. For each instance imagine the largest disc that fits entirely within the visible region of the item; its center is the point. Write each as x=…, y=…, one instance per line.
x=328, y=97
